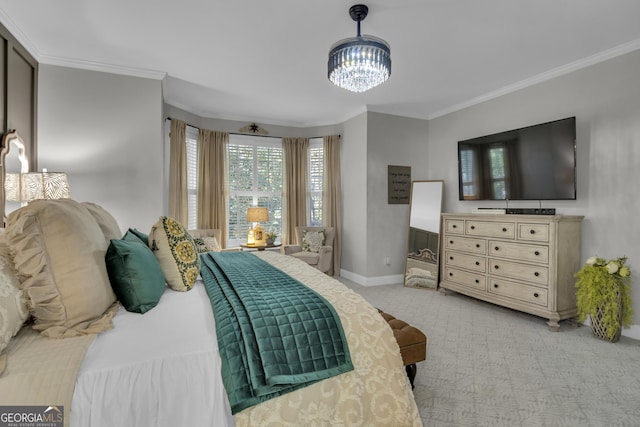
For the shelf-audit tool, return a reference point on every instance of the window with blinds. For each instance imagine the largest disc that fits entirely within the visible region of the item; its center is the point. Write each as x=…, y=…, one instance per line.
x=192, y=177
x=316, y=179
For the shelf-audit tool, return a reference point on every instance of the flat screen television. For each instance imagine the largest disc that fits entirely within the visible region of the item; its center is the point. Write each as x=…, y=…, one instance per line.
x=532, y=163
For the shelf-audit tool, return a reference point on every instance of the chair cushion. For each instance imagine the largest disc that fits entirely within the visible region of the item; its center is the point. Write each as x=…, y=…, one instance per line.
x=176, y=252
x=135, y=275
x=59, y=256
x=310, y=258
x=312, y=240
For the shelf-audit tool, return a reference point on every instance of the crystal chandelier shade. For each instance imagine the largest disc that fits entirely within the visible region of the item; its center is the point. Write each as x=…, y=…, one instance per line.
x=359, y=63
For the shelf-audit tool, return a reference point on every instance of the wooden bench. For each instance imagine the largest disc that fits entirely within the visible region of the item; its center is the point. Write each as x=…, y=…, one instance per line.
x=412, y=343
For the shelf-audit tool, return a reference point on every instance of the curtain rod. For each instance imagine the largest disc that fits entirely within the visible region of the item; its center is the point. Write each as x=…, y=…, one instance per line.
x=238, y=133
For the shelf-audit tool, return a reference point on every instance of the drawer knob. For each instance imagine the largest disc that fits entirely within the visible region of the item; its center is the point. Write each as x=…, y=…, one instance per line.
x=451, y=258
x=536, y=295
x=497, y=248
x=454, y=226
x=496, y=267
x=477, y=281
x=451, y=242
x=477, y=245
x=532, y=231
x=477, y=262
x=473, y=227
x=536, y=274
x=450, y=274
x=495, y=285
x=504, y=230
x=536, y=253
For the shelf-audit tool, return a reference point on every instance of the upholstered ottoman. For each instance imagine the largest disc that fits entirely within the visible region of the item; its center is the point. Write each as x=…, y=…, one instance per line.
x=412, y=343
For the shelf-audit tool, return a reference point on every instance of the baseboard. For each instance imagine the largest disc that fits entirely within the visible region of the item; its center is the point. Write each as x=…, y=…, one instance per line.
x=372, y=281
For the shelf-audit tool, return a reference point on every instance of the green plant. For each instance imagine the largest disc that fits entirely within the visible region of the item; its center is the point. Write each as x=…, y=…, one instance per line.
x=605, y=284
x=270, y=235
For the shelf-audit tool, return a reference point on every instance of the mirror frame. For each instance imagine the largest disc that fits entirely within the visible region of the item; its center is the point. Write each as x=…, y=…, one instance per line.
x=433, y=264
x=9, y=138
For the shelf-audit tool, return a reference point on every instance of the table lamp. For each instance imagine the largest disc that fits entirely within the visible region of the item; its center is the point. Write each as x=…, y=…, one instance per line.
x=256, y=215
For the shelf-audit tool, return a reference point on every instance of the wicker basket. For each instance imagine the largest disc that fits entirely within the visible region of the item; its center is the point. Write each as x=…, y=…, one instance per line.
x=599, y=330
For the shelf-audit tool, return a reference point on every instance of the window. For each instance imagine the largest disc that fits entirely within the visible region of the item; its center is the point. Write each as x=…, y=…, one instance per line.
x=316, y=179
x=192, y=177
x=255, y=179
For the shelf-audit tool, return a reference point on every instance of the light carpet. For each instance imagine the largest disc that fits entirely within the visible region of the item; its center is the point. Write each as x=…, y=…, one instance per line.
x=491, y=366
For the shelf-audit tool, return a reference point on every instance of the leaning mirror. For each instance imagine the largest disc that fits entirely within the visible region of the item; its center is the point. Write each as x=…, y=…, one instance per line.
x=423, y=247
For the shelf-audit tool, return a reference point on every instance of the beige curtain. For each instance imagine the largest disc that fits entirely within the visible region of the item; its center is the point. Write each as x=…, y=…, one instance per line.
x=213, y=185
x=296, y=151
x=332, y=196
x=178, y=171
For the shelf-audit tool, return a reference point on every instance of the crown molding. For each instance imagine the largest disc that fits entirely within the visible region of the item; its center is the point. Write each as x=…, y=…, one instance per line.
x=547, y=75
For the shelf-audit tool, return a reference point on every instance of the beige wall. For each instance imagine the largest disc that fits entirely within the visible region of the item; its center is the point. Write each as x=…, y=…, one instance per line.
x=105, y=131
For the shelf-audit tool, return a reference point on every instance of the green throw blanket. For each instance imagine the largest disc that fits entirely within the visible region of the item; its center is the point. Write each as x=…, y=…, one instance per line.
x=275, y=335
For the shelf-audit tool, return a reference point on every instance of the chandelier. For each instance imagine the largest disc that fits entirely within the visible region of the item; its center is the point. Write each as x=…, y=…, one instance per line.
x=362, y=62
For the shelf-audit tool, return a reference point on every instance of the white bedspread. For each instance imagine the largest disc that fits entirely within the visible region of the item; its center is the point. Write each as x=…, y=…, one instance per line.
x=173, y=373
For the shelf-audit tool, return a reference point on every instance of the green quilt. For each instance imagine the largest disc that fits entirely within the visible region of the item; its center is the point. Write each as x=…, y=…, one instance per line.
x=275, y=335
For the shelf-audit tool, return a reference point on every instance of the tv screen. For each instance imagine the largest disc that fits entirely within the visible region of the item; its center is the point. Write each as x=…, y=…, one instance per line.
x=533, y=163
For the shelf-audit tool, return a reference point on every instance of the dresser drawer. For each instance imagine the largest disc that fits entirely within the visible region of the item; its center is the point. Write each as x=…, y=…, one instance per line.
x=531, y=273
x=476, y=281
x=470, y=262
x=454, y=226
x=535, y=253
x=525, y=293
x=504, y=230
x=533, y=232
x=477, y=246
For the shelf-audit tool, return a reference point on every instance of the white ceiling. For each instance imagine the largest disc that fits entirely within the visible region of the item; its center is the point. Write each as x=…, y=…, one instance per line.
x=266, y=60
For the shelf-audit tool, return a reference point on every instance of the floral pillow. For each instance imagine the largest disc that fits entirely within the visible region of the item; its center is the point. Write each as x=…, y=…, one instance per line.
x=312, y=240
x=176, y=252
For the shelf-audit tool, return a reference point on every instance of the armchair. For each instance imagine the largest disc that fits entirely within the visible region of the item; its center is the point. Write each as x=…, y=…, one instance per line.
x=322, y=259
x=212, y=232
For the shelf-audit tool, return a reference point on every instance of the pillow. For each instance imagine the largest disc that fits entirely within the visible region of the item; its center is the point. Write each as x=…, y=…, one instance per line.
x=206, y=244
x=143, y=237
x=312, y=240
x=176, y=252
x=13, y=309
x=105, y=220
x=135, y=275
x=59, y=251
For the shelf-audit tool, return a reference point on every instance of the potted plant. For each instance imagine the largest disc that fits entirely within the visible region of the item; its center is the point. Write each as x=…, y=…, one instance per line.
x=603, y=293
x=270, y=237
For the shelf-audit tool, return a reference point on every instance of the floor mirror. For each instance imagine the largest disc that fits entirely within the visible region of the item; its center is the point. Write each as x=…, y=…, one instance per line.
x=423, y=246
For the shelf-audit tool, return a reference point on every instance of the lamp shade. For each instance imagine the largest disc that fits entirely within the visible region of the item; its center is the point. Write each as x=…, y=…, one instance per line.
x=29, y=186
x=257, y=214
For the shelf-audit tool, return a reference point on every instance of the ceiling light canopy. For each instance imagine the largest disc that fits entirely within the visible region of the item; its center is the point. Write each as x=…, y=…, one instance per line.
x=362, y=62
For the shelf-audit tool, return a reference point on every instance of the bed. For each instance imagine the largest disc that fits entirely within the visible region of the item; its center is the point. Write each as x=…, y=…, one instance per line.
x=163, y=367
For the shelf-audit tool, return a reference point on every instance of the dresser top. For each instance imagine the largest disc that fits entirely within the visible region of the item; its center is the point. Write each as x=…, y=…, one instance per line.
x=512, y=217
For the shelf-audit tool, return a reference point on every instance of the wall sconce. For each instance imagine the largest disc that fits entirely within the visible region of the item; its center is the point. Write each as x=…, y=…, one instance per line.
x=256, y=215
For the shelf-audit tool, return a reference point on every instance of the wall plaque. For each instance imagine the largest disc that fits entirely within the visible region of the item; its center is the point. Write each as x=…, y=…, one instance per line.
x=399, y=185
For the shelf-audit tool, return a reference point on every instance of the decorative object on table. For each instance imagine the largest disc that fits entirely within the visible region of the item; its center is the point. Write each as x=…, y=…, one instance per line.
x=359, y=63
x=256, y=215
x=603, y=293
x=270, y=237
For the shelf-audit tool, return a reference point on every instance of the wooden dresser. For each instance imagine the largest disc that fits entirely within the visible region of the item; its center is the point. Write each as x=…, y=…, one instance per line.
x=524, y=262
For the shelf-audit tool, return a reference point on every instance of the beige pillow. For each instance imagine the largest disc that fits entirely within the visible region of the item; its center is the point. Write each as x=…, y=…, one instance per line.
x=177, y=253
x=105, y=220
x=59, y=253
x=312, y=240
x=13, y=309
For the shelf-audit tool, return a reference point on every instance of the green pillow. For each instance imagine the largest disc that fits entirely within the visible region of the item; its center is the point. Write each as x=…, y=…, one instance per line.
x=132, y=232
x=134, y=273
